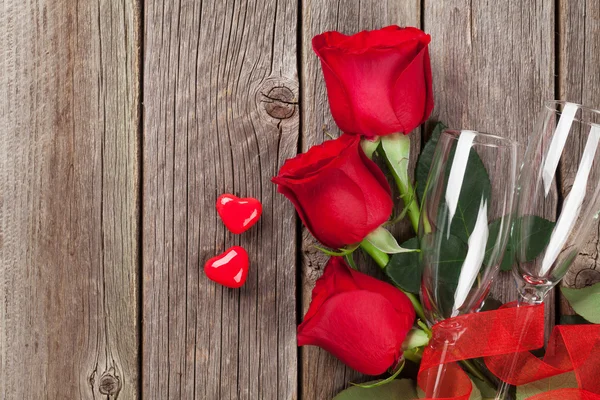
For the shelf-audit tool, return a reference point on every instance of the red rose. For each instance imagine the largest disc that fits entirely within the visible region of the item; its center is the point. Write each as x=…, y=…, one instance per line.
x=378, y=82
x=357, y=318
x=340, y=195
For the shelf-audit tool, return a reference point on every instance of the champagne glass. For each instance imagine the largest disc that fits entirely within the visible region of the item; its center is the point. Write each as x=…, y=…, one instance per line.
x=562, y=151
x=464, y=228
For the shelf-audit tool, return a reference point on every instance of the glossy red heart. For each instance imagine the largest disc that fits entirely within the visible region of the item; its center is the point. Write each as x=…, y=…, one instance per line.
x=237, y=214
x=229, y=268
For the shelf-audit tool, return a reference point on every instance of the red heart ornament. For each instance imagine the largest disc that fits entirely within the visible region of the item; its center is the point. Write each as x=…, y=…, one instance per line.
x=237, y=214
x=229, y=268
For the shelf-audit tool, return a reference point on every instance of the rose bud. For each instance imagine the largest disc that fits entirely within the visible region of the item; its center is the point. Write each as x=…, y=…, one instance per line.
x=339, y=193
x=357, y=318
x=378, y=82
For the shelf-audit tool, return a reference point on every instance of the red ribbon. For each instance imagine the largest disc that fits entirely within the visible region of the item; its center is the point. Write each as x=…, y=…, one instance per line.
x=497, y=336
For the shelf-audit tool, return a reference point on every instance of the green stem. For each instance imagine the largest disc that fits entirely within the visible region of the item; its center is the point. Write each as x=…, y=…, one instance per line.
x=408, y=194
x=377, y=255
x=396, y=151
x=426, y=224
x=416, y=304
x=476, y=373
x=382, y=260
x=412, y=356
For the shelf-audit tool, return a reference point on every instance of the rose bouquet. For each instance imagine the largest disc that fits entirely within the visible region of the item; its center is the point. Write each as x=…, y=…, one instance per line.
x=380, y=89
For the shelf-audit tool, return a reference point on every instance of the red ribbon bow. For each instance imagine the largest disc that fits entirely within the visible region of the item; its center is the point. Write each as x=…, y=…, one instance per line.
x=497, y=336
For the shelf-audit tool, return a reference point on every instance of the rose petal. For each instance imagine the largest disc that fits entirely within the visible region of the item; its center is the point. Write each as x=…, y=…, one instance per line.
x=340, y=195
x=378, y=82
x=413, y=101
x=398, y=299
x=317, y=157
x=360, y=328
x=335, y=279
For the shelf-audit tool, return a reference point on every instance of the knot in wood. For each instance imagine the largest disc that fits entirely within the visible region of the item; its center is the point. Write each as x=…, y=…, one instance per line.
x=280, y=102
x=109, y=384
x=586, y=277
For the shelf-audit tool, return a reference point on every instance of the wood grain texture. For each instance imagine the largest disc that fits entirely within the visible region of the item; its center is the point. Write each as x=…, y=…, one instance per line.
x=579, y=82
x=220, y=116
x=346, y=16
x=492, y=66
x=69, y=199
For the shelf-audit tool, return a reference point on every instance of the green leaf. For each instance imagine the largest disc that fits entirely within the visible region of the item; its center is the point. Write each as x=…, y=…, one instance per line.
x=475, y=393
x=585, y=302
x=562, y=381
x=475, y=186
x=405, y=269
x=491, y=304
x=573, y=320
x=485, y=390
x=399, y=389
x=426, y=158
x=531, y=235
x=529, y=230
x=509, y=254
x=384, y=241
x=452, y=252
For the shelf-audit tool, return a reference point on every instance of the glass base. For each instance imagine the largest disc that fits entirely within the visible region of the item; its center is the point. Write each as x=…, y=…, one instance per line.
x=532, y=291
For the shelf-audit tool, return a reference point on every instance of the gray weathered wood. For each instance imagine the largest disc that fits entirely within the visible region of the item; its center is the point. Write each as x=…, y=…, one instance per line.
x=347, y=17
x=69, y=199
x=211, y=71
x=493, y=66
x=579, y=81
x=70, y=163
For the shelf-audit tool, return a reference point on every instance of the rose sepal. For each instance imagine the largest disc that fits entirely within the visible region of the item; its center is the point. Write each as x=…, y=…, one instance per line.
x=415, y=338
x=345, y=251
x=369, y=145
x=396, y=151
x=384, y=241
x=385, y=381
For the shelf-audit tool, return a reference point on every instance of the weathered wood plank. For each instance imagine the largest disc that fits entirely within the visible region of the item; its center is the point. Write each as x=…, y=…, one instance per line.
x=347, y=17
x=208, y=68
x=579, y=81
x=69, y=199
x=493, y=66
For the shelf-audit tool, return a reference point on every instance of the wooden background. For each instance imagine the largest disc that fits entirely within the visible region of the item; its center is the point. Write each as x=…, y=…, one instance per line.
x=122, y=121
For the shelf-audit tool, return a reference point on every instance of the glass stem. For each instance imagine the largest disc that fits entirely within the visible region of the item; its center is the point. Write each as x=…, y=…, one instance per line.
x=382, y=260
x=470, y=367
x=503, y=390
x=433, y=387
x=528, y=295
